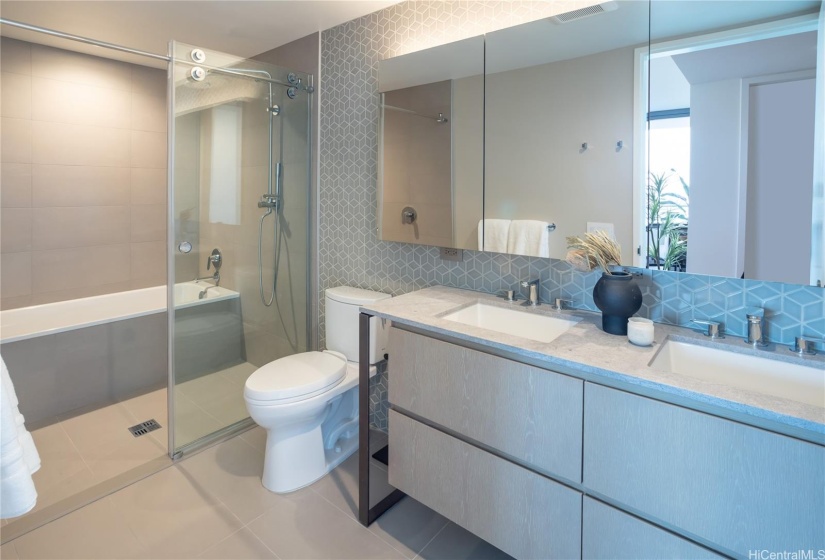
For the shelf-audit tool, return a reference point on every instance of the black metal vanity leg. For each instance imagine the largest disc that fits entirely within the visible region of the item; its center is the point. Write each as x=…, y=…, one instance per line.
x=364, y=419
x=367, y=515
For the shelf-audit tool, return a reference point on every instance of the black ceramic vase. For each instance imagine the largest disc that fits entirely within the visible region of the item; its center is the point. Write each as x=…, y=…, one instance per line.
x=619, y=297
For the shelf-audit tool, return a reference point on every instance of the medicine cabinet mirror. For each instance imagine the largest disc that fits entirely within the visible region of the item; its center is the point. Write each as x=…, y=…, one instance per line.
x=430, y=172
x=690, y=131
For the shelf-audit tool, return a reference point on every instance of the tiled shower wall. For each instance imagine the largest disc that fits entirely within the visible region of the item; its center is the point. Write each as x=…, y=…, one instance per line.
x=351, y=254
x=83, y=175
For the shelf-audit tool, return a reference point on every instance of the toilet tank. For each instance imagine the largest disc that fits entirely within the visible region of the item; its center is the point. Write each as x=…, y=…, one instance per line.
x=341, y=322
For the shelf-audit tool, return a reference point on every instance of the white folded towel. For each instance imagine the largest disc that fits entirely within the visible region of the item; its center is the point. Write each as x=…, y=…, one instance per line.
x=529, y=237
x=492, y=235
x=19, y=458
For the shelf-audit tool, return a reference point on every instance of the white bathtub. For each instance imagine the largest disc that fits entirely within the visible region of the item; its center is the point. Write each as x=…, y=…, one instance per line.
x=52, y=318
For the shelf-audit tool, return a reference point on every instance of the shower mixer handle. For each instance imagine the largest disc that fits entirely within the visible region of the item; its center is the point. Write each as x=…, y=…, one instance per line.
x=269, y=201
x=215, y=259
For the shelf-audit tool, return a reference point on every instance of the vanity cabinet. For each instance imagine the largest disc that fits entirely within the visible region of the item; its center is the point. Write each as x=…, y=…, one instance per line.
x=611, y=534
x=523, y=513
x=528, y=413
x=545, y=465
x=735, y=486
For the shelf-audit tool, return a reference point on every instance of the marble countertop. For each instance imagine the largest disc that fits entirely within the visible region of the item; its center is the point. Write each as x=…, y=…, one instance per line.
x=588, y=352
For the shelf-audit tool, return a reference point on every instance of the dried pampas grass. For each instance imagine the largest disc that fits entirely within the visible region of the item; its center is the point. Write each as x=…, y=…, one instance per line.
x=592, y=250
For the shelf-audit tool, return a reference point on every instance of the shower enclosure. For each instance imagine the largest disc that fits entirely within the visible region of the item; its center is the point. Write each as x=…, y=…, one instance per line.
x=239, y=220
x=118, y=324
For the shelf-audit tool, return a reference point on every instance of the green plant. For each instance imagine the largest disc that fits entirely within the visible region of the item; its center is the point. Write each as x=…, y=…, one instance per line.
x=667, y=219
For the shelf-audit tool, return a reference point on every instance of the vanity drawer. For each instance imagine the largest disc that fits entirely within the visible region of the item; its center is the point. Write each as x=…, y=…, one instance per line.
x=528, y=413
x=517, y=510
x=610, y=534
x=733, y=485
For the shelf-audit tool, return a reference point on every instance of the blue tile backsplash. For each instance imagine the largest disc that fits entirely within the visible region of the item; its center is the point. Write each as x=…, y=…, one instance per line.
x=351, y=254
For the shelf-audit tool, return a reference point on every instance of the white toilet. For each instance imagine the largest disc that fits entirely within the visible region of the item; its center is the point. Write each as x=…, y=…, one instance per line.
x=308, y=402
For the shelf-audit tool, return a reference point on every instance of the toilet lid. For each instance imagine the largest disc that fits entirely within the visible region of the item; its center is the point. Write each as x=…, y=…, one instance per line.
x=296, y=375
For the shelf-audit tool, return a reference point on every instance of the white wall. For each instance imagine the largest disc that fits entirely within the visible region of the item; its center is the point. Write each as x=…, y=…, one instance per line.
x=536, y=121
x=780, y=181
x=716, y=225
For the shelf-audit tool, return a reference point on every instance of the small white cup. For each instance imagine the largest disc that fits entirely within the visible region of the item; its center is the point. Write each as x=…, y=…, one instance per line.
x=640, y=331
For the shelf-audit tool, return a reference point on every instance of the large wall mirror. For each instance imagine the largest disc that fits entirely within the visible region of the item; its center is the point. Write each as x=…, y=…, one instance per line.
x=690, y=131
x=559, y=130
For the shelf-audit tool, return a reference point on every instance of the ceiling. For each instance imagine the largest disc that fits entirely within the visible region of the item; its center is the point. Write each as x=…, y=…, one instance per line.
x=240, y=27
x=788, y=53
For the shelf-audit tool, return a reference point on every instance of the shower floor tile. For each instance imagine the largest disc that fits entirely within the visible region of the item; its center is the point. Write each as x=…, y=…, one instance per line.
x=93, y=445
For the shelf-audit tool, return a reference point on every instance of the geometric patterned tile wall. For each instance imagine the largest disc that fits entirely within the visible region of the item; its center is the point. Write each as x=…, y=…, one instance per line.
x=351, y=254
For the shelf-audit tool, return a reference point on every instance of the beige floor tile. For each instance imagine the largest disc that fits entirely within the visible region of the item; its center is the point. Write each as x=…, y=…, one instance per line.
x=151, y=405
x=239, y=546
x=118, y=460
x=232, y=472
x=340, y=487
x=59, y=459
x=70, y=486
x=173, y=516
x=63, y=472
x=95, y=531
x=256, y=437
x=238, y=374
x=217, y=396
x=207, y=389
x=304, y=525
x=105, y=443
x=191, y=421
x=7, y=552
x=455, y=543
x=409, y=526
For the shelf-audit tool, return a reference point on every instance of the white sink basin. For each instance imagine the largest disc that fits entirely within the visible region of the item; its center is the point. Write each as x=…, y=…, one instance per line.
x=805, y=384
x=541, y=328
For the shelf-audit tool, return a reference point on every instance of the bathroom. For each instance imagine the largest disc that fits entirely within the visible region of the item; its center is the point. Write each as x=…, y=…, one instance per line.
x=106, y=203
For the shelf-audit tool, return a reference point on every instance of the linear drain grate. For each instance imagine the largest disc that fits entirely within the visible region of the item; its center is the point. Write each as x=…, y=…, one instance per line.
x=145, y=427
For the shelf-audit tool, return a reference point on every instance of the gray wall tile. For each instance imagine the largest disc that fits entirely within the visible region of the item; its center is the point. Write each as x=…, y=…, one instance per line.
x=351, y=254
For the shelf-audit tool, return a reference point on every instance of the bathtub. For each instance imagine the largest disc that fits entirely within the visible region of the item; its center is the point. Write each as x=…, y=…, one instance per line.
x=93, y=351
x=52, y=318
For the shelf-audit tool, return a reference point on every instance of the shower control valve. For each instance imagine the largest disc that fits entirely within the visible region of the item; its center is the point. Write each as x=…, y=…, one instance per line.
x=269, y=201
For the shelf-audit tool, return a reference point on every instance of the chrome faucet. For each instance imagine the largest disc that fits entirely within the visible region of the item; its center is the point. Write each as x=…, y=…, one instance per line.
x=510, y=296
x=214, y=260
x=216, y=277
x=560, y=304
x=756, y=328
x=533, y=299
x=714, y=328
x=202, y=293
x=803, y=345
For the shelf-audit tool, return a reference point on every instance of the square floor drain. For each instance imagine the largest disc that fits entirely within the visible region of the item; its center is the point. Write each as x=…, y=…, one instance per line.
x=145, y=427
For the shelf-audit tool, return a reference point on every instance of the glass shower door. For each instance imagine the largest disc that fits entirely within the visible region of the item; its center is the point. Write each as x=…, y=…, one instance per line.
x=239, y=206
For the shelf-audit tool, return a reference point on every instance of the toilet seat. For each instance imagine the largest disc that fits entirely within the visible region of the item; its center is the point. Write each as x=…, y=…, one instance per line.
x=295, y=378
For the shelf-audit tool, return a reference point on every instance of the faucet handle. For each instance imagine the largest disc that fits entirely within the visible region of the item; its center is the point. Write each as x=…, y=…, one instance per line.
x=559, y=303
x=803, y=345
x=714, y=328
x=510, y=295
x=755, y=315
